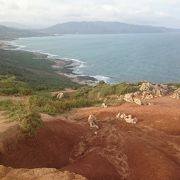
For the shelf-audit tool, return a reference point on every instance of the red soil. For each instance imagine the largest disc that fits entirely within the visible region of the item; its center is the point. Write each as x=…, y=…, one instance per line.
x=149, y=150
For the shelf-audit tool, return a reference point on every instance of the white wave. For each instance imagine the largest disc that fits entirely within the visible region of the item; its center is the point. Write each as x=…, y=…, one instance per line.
x=102, y=78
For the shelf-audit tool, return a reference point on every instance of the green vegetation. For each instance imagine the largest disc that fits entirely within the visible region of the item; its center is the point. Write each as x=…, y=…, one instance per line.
x=10, y=86
x=51, y=105
x=37, y=72
x=177, y=85
x=29, y=120
x=103, y=90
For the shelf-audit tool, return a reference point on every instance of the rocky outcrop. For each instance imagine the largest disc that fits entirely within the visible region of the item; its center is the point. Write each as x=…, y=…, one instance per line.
x=150, y=91
x=147, y=86
x=132, y=98
x=129, y=97
x=37, y=174
x=176, y=94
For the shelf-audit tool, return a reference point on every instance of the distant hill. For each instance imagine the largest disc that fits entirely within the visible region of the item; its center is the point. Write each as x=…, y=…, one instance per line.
x=104, y=28
x=100, y=27
x=7, y=33
x=14, y=25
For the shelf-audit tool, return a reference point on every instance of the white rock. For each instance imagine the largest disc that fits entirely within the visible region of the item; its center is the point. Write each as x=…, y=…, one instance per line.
x=60, y=95
x=118, y=115
x=146, y=86
x=129, y=97
x=93, y=122
x=137, y=101
x=104, y=105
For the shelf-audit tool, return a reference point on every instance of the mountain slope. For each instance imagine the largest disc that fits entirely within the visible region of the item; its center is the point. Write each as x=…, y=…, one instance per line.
x=103, y=28
x=7, y=33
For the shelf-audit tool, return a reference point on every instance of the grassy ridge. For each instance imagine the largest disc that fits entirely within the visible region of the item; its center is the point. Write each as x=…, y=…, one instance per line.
x=38, y=73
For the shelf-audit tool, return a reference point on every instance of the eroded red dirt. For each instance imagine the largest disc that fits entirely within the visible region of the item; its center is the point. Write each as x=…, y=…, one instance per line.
x=148, y=150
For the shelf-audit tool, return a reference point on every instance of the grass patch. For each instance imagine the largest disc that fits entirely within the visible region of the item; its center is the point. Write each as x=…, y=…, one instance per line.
x=51, y=105
x=102, y=90
x=29, y=120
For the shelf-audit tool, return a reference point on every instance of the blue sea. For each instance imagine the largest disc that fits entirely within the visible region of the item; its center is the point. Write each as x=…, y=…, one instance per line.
x=116, y=58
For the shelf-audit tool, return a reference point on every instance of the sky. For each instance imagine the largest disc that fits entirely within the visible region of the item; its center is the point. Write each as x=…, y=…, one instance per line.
x=43, y=13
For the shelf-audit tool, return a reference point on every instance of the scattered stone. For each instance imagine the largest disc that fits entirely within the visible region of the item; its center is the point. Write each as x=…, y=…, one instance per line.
x=60, y=95
x=118, y=115
x=93, y=122
x=127, y=118
x=104, y=105
x=131, y=120
x=123, y=116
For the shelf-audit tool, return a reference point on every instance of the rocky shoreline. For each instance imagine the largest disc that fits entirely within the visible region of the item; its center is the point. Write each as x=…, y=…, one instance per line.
x=63, y=67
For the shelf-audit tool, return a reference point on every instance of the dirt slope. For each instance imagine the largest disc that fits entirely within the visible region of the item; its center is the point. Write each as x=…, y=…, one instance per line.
x=148, y=150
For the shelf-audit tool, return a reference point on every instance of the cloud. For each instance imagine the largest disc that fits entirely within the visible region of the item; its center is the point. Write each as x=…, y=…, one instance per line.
x=45, y=12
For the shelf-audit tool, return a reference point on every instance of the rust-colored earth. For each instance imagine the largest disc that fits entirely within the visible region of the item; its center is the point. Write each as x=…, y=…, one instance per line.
x=149, y=150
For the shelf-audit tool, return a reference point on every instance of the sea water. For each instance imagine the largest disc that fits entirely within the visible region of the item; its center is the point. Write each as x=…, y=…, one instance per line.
x=116, y=58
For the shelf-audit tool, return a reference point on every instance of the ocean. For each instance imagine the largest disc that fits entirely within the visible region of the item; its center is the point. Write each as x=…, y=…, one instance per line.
x=115, y=58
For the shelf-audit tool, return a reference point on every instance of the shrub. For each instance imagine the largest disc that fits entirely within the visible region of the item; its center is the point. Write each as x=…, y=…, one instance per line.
x=6, y=105
x=102, y=90
x=50, y=105
x=10, y=86
x=29, y=120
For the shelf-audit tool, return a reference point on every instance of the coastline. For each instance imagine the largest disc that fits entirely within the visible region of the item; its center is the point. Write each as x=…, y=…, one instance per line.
x=63, y=67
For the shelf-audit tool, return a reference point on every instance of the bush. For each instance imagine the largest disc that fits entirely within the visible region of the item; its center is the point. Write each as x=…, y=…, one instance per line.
x=10, y=86
x=29, y=120
x=6, y=105
x=102, y=90
x=49, y=105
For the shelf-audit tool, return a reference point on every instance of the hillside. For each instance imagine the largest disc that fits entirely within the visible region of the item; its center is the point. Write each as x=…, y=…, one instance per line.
x=33, y=69
x=149, y=149
x=103, y=28
x=8, y=33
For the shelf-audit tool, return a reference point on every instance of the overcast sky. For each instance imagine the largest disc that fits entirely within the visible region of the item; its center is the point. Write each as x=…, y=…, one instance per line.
x=47, y=12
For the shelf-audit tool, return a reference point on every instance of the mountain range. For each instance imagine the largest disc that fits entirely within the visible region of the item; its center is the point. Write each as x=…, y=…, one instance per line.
x=99, y=27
